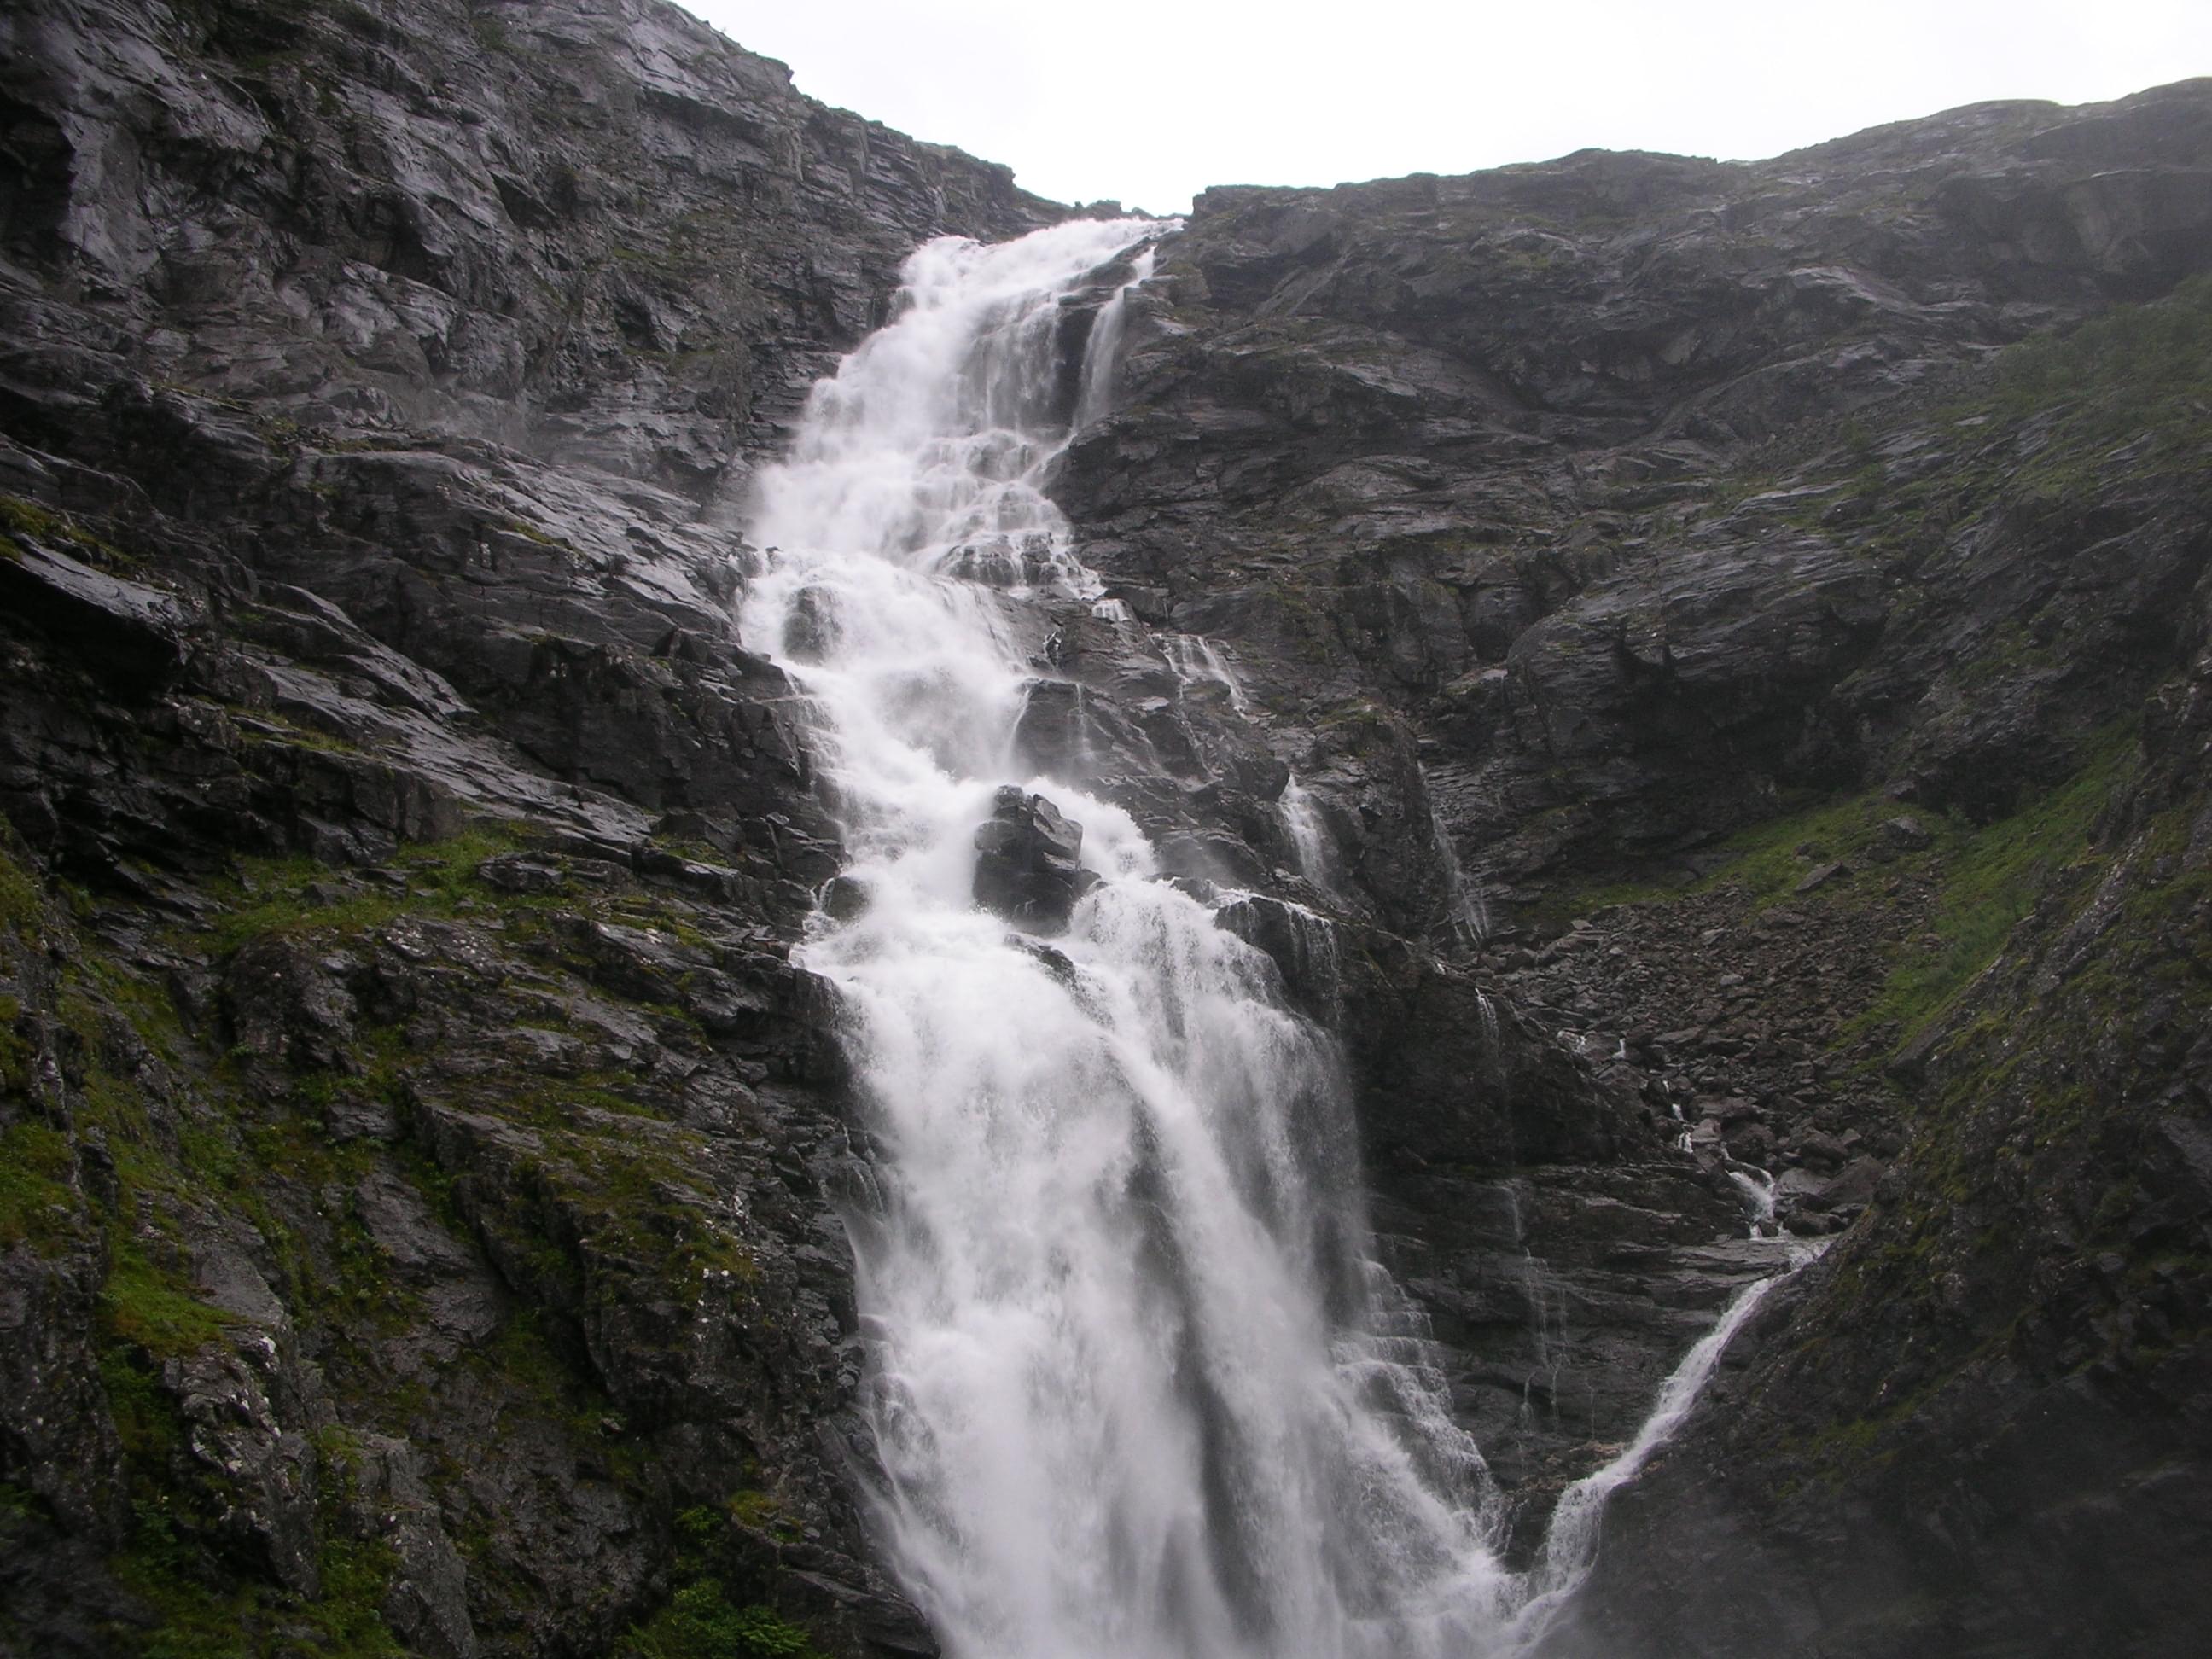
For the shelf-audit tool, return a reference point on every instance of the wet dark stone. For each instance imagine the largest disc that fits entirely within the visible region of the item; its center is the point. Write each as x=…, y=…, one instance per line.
x=1026, y=861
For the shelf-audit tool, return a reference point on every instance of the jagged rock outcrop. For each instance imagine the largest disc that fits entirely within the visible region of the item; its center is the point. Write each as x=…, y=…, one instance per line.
x=1027, y=861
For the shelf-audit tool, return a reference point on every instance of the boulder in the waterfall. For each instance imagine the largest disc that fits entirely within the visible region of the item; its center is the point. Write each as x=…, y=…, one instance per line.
x=810, y=629
x=844, y=897
x=1026, y=868
x=1055, y=962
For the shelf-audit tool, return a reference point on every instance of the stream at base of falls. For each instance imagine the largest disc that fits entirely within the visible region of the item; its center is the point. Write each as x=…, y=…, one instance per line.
x=1137, y=1385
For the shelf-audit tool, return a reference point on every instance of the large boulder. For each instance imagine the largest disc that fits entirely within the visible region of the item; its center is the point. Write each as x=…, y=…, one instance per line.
x=1026, y=868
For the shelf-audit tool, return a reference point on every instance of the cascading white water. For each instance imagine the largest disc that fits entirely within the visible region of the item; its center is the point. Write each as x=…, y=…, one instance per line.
x=1570, y=1543
x=1133, y=1389
x=1137, y=1386
x=1308, y=836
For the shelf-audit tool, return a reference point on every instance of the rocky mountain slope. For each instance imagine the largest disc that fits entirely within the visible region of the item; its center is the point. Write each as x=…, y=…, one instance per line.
x=1767, y=571
x=421, y=1157
x=1779, y=588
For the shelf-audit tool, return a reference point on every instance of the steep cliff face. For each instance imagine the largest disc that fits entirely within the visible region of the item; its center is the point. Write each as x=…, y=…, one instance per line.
x=1741, y=567
x=419, y=1220
x=591, y=232
x=1452, y=450
x=420, y=1155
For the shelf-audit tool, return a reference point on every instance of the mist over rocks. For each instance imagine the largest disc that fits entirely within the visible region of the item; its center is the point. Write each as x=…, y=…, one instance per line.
x=428, y=1176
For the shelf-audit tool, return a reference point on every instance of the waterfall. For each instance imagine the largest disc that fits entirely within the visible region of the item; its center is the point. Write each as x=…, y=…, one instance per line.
x=1570, y=1543
x=1105, y=344
x=1308, y=836
x=1137, y=1386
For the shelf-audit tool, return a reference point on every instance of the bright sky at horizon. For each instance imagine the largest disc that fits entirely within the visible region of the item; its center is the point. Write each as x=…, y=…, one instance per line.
x=1147, y=102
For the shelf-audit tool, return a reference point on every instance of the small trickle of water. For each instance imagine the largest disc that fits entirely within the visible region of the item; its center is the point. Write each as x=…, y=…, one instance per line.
x=1309, y=836
x=1757, y=1185
x=1197, y=660
x=1469, y=918
x=1571, y=1544
x=1105, y=349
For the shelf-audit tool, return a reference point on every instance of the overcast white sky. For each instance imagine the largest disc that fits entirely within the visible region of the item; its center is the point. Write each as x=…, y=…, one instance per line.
x=1148, y=101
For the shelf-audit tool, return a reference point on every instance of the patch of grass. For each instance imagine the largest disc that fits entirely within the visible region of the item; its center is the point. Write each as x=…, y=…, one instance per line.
x=1766, y=860
x=2135, y=375
x=557, y=1102
x=2128, y=394
x=531, y=532
x=38, y=1206
x=701, y=1620
x=146, y=1418
x=19, y=899
x=32, y=522
x=145, y=1004
x=528, y=1355
x=761, y=1511
x=15, y=1055
x=270, y=896
x=1563, y=905
x=1993, y=877
x=201, y=1613
x=288, y=732
x=151, y=1307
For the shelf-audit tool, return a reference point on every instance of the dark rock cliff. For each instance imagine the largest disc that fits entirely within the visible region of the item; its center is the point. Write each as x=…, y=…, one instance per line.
x=419, y=1213
x=1793, y=612
x=421, y=1160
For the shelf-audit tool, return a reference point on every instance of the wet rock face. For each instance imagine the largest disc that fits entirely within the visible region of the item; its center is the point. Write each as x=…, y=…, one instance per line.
x=1465, y=458
x=1581, y=519
x=600, y=233
x=423, y=1072
x=1026, y=861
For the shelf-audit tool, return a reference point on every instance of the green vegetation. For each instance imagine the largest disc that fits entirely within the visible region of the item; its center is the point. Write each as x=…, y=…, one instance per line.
x=700, y=1620
x=38, y=1206
x=2137, y=376
x=1989, y=877
x=19, y=900
x=201, y=1615
x=22, y=517
x=587, y=1196
x=2055, y=421
x=531, y=532
x=202, y=1608
x=151, y=1307
x=1768, y=860
x=275, y=896
x=30, y=521
x=2049, y=1076
x=528, y=1352
x=1993, y=877
x=289, y=731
